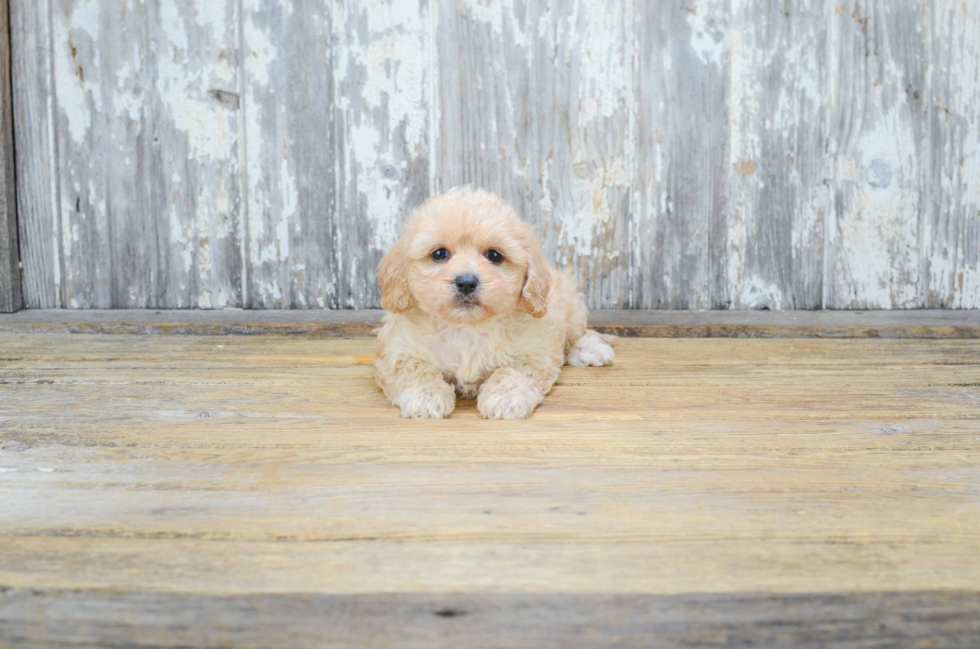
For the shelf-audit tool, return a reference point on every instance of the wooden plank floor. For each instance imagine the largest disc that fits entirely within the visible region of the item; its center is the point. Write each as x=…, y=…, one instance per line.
x=257, y=491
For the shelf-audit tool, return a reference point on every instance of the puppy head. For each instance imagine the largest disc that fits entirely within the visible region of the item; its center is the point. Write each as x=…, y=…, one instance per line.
x=466, y=257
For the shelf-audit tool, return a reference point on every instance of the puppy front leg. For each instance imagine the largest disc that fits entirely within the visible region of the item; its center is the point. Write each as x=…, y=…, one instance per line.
x=514, y=392
x=416, y=387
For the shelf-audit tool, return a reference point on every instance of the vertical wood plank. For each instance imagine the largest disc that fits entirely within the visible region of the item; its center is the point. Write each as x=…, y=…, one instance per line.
x=37, y=168
x=682, y=155
x=98, y=149
x=778, y=194
x=536, y=105
x=190, y=166
x=383, y=79
x=337, y=142
x=148, y=152
x=878, y=140
x=290, y=152
x=952, y=226
x=10, y=289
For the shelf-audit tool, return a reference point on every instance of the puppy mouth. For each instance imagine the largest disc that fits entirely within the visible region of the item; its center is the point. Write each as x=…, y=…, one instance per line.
x=467, y=302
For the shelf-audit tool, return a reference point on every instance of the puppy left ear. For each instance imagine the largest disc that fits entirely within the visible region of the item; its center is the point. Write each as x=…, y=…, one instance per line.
x=395, y=294
x=537, y=281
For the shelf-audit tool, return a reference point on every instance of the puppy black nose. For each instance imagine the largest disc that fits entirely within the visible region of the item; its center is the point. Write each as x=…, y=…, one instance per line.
x=467, y=283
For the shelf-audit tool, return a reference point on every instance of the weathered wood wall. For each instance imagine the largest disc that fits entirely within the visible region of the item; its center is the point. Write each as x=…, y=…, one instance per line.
x=10, y=282
x=699, y=154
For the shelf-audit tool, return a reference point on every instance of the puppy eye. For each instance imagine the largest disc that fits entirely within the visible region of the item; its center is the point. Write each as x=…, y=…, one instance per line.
x=440, y=255
x=494, y=256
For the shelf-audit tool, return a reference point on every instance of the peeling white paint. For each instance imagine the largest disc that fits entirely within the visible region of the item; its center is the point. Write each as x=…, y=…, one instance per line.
x=383, y=204
x=392, y=64
x=757, y=293
x=259, y=59
x=174, y=27
x=952, y=237
x=79, y=94
x=128, y=101
x=282, y=238
x=875, y=232
x=184, y=84
x=490, y=13
x=582, y=232
x=181, y=240
x=761, y=114
x=388, y=98
x=260, y=53
x=709, y=29
x=604, y=72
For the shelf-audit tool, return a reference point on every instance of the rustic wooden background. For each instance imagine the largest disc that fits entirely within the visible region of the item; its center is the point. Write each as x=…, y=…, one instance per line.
x=679, y=154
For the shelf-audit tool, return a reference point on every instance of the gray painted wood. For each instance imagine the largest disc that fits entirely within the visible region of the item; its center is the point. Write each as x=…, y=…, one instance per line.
x=535, y=103
x=190, y=158
x=682, y=153
x=52, y=618
x=148, y=153
x=37, y=196
x=337, y=138
x=952, y=216
x=383, y=70
x=777, y=163
x=10, y=283
x=706, y=154
x=289, y=153
x=96, y=177
x=876, y=137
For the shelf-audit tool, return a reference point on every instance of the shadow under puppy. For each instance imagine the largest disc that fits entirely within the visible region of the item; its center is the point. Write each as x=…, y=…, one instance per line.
x=476, y=311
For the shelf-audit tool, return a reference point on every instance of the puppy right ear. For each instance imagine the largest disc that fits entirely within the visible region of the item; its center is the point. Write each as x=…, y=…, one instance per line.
x=537, y=281
x=395, y=294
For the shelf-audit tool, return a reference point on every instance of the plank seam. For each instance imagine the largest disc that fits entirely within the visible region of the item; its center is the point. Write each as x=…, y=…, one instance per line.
x=242, y=157
x=828, y=65
x=54, y=155
x=633, y=53
x=925, y=173
x=14, y=298
x=434, y=9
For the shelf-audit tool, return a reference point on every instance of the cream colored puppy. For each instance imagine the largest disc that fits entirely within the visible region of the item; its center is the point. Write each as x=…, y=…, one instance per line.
x=476, y=311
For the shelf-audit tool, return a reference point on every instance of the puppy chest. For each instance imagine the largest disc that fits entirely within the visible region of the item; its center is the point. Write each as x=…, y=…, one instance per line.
x=466, y=354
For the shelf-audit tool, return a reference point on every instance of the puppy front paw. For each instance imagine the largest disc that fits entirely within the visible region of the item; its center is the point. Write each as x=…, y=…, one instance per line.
x=500, y=403
x=434, y=400
x=590, y=350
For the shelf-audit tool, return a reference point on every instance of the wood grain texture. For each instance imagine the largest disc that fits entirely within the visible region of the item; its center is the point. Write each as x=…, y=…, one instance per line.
x=384, y=74
x=877, y=138
x=777, y=189
x=535, y=104
x=37, y=169
x=918, y=324
x=682, y=155
x=190, y=145
x=946, y=620
x=290, y=154
x=149, y=195
x=702, y=489
x=10, y=282
x=97, y=161
x=337, y=145
x=698, y=155
x=952, y=225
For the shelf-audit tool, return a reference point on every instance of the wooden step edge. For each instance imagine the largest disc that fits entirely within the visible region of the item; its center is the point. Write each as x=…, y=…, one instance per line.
x=920, y=324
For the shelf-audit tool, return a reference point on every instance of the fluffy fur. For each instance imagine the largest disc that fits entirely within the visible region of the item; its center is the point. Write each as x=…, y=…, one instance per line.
x=504, y=344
